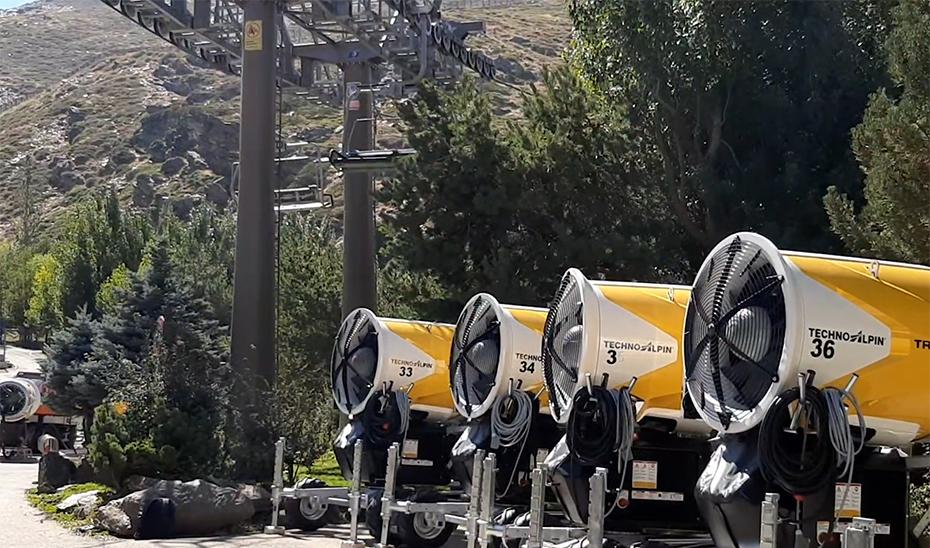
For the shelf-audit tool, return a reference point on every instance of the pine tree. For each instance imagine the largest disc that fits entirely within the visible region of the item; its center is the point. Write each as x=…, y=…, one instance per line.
x=78, y=382
x=892, y=145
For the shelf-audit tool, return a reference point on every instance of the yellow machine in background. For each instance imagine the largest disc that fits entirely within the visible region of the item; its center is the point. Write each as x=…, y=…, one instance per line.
x=373, y=353
x=619, y=329
x=760, y=316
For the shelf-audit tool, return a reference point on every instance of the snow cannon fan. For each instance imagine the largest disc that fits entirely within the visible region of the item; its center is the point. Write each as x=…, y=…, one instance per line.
x=495, y=378
x=391, y=377
x=19, y=399
x=374, y=354
x=495, y=349
x=619, y=329
x=759, y=316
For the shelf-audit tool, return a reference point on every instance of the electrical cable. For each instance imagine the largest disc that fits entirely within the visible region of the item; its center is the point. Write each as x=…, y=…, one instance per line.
x=602, y=422
x=842, y=439
x=791, y=461
x=512, y=431
x=512, y=428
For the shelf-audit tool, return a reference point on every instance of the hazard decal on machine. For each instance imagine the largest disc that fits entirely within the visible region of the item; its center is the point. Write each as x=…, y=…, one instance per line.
x=411, y=449
x=645, y=474
x=848, y=500
x=660, y=496
x=838, y=528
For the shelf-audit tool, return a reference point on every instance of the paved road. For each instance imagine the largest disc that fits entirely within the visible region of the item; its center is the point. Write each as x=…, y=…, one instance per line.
x=22, y=360
x=22, y=526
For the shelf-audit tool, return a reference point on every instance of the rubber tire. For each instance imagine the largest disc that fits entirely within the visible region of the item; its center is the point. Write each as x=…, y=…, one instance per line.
x=373, y=518
x=294, y=518
x=408, y=534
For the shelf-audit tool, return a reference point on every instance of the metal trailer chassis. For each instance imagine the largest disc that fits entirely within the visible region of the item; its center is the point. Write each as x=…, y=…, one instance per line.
x=318, y=498
x=476, y=515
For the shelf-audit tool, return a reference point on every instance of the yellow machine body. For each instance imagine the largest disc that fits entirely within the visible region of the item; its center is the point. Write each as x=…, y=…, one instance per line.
x=627, y=330
x=836, y=316
x=893, y=388
x=373, y=353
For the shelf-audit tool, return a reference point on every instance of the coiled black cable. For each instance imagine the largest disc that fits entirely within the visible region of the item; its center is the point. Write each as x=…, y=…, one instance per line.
x=799, y=463
x=593, y=426
x=385, y=418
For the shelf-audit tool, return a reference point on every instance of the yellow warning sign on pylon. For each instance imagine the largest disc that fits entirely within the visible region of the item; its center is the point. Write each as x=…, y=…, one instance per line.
x=252, y=36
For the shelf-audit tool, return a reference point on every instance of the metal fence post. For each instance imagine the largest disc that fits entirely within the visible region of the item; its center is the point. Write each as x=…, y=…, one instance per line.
x=276, y=487
x=598, y=485
x=387, y=498
x=488, y=494
x=474, y=503
x=355, y=496
x=539, y=478
x=768, y=530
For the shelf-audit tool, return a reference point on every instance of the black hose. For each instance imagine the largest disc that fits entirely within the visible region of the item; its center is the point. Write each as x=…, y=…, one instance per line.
x=801, y=463
x=385, y=419
x=593, y=426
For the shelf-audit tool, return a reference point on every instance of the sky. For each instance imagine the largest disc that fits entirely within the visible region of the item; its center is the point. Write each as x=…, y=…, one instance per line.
x=7, y=4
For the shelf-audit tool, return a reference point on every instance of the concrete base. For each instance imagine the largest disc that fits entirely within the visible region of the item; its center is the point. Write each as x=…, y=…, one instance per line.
x=269, y=530
x=379, y=545
x=350, y=544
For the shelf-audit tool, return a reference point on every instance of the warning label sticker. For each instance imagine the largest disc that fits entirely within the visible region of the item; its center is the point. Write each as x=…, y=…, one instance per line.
x=662, y=496
x=416, y=462
x=645, y=474
x=252, y=35
x=411, y=449
x=848, y=500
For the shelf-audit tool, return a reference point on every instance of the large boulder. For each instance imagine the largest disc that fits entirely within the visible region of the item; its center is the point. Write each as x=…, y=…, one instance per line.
x=54, y=471
x=201, y=508
x=81, y=505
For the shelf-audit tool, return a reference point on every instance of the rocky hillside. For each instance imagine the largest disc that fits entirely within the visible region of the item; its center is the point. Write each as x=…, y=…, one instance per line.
x=87, y=99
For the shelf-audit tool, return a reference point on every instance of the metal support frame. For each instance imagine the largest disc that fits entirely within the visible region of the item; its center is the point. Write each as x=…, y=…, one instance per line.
x=596, y=506
x=860, y=534
x=768, y=532
x=540, y=479
x=474, y=503
x=355, y=497
x=488, y=489
x=277, y=487
x=387, y=498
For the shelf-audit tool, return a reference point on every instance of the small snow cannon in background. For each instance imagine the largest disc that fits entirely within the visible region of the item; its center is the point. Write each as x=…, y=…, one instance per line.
x=612, y=362
x=496, y=379
x=24, y=417
x=811, y=367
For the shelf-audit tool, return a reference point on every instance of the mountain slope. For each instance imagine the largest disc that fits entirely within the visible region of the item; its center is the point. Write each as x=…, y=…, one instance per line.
x=90, y=100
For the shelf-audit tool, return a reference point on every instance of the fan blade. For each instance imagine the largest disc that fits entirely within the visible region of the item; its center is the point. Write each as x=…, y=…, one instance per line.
x=741, y=355
x=696, y=297
x=696, y=354
x=751, y=299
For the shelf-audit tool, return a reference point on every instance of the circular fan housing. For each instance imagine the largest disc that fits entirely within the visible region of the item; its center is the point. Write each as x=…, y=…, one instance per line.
x=494, y=346
x=736, y=352
x=19, y=399
x=373, y=353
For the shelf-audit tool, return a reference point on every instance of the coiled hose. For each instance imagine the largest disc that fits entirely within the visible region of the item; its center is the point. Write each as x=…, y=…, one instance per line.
x=511, y=420
x=385, y=417
x=795, y=462
x=602, y=422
